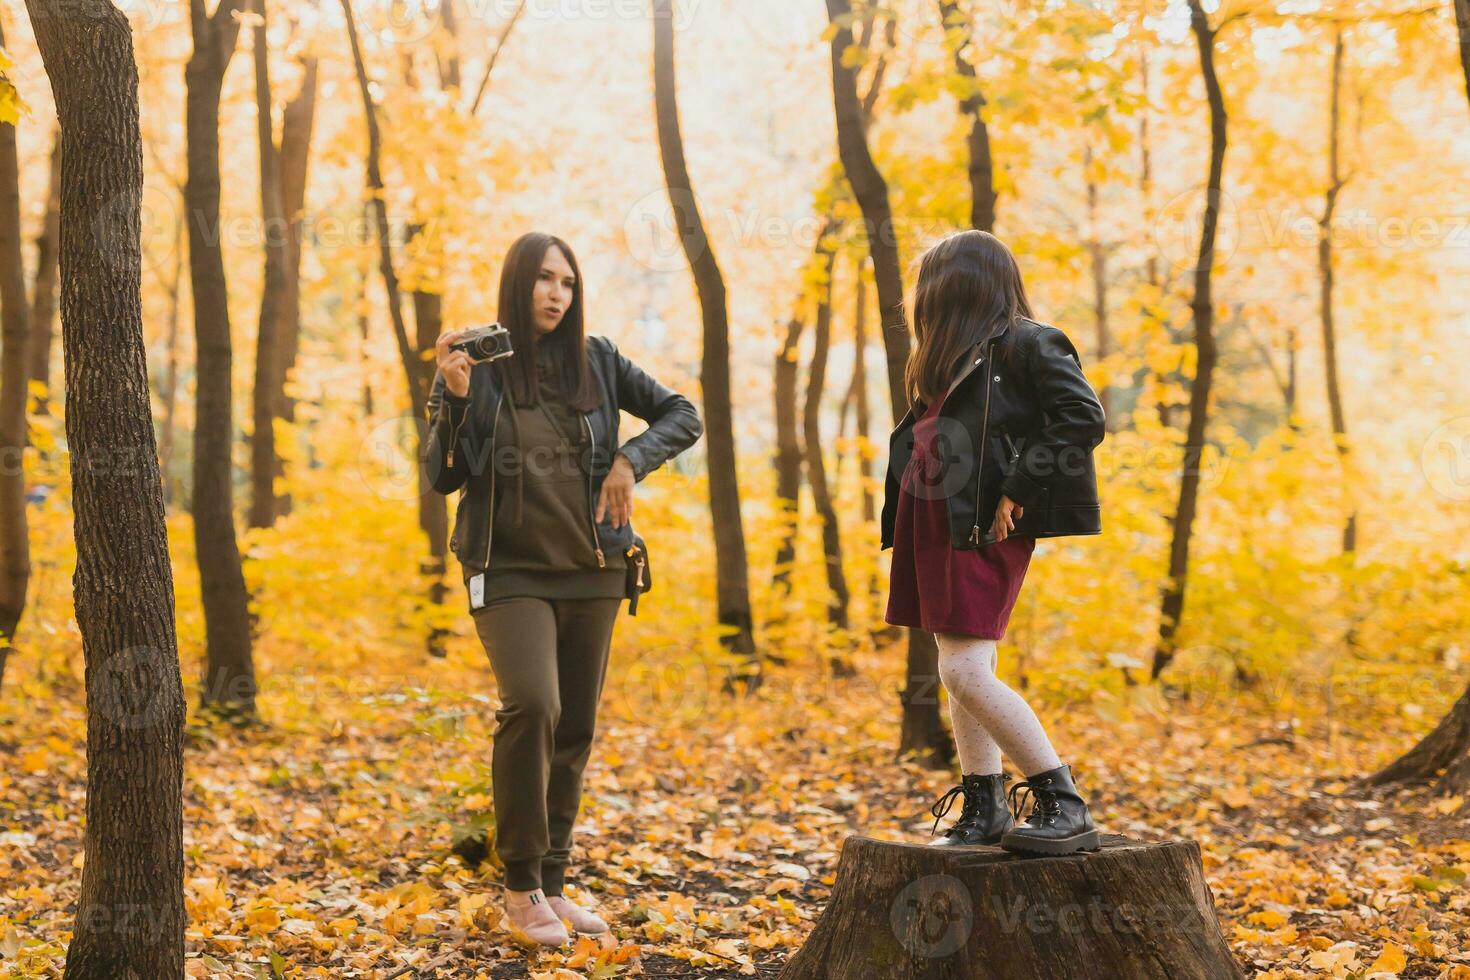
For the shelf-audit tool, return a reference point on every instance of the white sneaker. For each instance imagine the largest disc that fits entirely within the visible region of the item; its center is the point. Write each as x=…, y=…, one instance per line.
x=582, y=920
x=531, y=914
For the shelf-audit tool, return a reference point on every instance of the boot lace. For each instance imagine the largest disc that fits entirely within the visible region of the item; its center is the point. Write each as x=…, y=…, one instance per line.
x=943, y=805
x=1044, y=801
x=970, y=812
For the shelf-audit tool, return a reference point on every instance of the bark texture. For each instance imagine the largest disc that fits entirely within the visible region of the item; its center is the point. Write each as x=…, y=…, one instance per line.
x=1129, y=911
x=130, y=914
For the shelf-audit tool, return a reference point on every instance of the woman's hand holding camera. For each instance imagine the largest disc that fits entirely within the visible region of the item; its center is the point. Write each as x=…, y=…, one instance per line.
x=454, y=364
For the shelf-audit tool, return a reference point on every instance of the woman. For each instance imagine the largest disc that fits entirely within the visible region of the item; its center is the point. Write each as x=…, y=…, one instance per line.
x=531, y=440
x=998, y=457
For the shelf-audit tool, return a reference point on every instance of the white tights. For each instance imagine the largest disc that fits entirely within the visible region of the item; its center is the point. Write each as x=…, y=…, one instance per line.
x=988, y=715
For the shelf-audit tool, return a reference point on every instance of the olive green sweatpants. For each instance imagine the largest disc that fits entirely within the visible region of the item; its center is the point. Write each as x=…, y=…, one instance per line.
x=550, y=658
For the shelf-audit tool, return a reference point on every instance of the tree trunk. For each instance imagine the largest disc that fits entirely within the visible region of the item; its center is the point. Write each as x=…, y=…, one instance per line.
x=296, y=129
x=1446, y=747
x=1335, y=182
x=418, y=391
x=816, y=468
x=428, y=313
x=364, y=321
x=266, y=401
x=1151, y=262
x=229, y=670
x=1462, y=22
x=1131, y=910
x=788, y=464
x=43, y=295
x=856, y=398
x=1098, y=253
x=15, y=556
x=169, y=389
x=789, y=454
x=983, y=196
x=871, y=191
x=130, y=913
x=433, y=509
x=1172, y=594
x=860, y=403
x=921, y=730
x=731, y=568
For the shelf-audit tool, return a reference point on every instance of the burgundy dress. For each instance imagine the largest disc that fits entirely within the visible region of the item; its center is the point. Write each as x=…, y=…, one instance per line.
x=937, y=587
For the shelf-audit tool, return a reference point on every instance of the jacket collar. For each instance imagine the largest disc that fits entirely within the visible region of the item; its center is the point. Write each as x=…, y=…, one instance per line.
x=973, y=357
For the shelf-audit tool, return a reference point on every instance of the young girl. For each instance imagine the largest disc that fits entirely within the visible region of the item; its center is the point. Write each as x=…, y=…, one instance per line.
x=995, y=453
x=532, y=440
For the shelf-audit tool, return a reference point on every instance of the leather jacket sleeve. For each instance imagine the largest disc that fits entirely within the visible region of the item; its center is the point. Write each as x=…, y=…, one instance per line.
x=673, y=422
x=1076, y=423
x=444, y=451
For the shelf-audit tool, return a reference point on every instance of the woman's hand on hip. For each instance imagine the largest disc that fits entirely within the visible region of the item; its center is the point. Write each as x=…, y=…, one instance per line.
x=1005, y=515
x=453, y=364
x=616, y=498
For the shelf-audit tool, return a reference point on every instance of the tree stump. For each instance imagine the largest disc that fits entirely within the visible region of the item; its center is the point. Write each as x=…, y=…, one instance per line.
x=909, y=911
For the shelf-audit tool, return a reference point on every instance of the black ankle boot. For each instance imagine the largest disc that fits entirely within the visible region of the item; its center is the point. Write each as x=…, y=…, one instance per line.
x=984, y=816
x=1059, y=822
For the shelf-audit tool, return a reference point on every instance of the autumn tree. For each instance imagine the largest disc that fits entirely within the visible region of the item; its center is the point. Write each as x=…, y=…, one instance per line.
x=15, y=562
x=1444, y=753
x=1203, y=307
x=981, y=167
x=229, y=668
x=283, y=170
x=922, y=732
x=130, y=914
x=732, y=577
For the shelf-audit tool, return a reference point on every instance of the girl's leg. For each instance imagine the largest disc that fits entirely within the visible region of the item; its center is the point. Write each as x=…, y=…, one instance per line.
x=979, y=753
x=967, y=670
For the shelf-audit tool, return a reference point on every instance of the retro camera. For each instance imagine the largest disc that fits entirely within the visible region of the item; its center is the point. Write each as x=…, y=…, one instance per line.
x=485, y=343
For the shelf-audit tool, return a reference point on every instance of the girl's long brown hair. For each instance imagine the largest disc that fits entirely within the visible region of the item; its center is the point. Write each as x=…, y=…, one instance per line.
x=969, y=289
x=517, y=289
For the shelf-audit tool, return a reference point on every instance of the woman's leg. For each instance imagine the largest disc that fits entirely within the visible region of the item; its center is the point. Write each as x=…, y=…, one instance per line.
x=967, y=670
x=584, y=629
x=519, y=634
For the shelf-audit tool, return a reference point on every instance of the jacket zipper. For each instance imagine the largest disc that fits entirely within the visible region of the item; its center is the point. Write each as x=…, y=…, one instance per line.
x=490, y=524
x=984, y=429
x=454, y=436
x=591, y=520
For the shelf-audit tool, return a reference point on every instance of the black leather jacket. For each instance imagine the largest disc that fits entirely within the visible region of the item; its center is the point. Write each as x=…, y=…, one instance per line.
x=1027, y=432
x=460, y=444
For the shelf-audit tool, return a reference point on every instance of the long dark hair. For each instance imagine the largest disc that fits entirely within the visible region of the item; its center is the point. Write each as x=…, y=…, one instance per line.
x=520, y=373
x=969, y=290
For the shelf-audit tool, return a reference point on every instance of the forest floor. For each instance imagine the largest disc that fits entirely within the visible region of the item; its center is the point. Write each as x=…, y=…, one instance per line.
x=318, y=844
